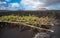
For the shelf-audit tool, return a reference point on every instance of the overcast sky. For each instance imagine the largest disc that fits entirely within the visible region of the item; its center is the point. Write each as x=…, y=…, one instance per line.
x=29, y=4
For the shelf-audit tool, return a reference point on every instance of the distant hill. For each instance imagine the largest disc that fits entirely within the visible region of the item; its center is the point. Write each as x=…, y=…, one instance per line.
x=42, y=9
x=27, y=10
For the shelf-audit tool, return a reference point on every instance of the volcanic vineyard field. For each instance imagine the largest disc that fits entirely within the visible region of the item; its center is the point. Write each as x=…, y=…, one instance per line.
x=36, y=21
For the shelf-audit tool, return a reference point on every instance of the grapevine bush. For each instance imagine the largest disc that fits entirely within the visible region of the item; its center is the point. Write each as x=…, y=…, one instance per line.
x=31, y=19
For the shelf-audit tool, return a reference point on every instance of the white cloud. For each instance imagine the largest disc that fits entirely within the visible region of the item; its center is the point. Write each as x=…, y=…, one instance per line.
x=34, y=4
x=3, y=8
x=2, y=2
x=11, y=6
x=3, y=5
x=54, y=7
x=8, y=0
x=14, y=5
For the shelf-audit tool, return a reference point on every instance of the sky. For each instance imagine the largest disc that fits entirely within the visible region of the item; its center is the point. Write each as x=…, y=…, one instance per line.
x=29, y=4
